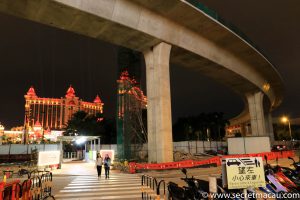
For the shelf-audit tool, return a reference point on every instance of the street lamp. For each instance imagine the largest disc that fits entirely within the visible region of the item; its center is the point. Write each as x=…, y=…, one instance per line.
x=285, y=119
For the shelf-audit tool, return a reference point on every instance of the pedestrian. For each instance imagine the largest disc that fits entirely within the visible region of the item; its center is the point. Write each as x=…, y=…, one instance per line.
x=99, y=163
x=107, y=163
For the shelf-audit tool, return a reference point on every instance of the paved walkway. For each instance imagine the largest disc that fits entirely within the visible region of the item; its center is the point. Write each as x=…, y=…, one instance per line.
x=84, y=184
x=78, y=180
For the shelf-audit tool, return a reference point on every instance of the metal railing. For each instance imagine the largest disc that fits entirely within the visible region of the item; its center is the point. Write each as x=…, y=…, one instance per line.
x=37, y=186
x=151, y=189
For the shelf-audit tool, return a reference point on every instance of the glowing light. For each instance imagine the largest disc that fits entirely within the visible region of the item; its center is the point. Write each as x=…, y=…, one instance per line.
x=284, y=119
x=80, y=141
x=266, y=87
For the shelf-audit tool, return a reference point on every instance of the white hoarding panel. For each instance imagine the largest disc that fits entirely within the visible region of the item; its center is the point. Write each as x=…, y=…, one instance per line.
x=248, y=145
x=48, y=158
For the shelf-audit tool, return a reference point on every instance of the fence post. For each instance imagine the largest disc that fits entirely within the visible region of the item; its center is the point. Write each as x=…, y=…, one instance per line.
x=213, y=188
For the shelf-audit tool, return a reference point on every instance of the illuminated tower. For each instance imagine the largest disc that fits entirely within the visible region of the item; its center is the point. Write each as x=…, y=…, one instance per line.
x=131, y=132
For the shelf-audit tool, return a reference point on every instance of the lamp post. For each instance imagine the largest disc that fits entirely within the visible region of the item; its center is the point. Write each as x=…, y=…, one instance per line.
x=285, y=119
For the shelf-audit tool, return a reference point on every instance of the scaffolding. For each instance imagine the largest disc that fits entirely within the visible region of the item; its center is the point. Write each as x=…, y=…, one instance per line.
x=131, y=117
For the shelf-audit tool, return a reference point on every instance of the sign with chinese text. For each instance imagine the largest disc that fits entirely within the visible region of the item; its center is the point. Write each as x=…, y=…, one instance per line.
x=245, y=172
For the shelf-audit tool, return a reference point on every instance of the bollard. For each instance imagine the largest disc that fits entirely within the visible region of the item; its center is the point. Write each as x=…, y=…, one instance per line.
x=213, y=187
x=4, y=178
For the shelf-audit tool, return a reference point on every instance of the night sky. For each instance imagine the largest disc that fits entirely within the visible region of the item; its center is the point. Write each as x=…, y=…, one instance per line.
x=51, y=59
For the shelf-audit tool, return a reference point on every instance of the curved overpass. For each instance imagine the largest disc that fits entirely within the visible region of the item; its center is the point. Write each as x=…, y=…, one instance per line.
x=197, y=40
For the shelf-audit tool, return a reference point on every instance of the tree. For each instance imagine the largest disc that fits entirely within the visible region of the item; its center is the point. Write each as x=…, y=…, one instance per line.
x=82, y=123
x=183, y=129
x=201, y=127
x=110, y=136
x=218, y=125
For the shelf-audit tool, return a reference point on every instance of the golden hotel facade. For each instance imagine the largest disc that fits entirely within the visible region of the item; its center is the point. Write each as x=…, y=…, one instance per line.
x=54, y=113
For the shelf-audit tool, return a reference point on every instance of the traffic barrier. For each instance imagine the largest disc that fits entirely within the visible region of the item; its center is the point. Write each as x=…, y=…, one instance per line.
x=35, y=191
x=46, y=185
x=26, y=185
x=149, y=187
x=158, y=189
x=132, y=167
x=153, y=190
x=35, y=188
x=214, y=160
x=10, y=191
x=1, y=190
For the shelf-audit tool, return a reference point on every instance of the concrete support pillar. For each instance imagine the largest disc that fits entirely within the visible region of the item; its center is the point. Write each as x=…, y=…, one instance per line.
x=258, y=124
x=160, y=144
x=269, y=127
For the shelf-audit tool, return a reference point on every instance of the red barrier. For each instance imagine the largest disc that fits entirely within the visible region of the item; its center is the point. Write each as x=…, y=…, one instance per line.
x=26, y=189
x=214, y=160
x=1, y=190
x=132, y=167
x=13, y=192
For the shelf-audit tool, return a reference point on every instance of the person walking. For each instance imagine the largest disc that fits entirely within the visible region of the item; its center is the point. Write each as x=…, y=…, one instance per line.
x=99, y=163
x=107, y=163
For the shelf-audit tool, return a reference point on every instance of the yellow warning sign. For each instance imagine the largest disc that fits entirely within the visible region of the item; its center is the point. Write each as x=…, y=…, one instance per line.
x=245, y=172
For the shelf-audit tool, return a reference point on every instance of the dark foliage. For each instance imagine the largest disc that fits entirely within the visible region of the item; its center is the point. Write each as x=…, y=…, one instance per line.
x=201, y=127
x=92, y=125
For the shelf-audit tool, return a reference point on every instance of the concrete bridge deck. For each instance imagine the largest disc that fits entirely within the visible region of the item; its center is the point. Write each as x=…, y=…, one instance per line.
x=169, y=31
x=198, y=41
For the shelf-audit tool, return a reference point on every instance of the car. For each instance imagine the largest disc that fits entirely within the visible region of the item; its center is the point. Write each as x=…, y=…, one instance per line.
x=233, y=162
x=279, y=147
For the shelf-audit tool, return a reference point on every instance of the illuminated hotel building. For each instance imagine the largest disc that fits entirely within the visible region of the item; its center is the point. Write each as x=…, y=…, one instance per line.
x=54, y=113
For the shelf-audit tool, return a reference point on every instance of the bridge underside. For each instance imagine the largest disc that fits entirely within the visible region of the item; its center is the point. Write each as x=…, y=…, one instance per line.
x=196, y=41
x=102, y=20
